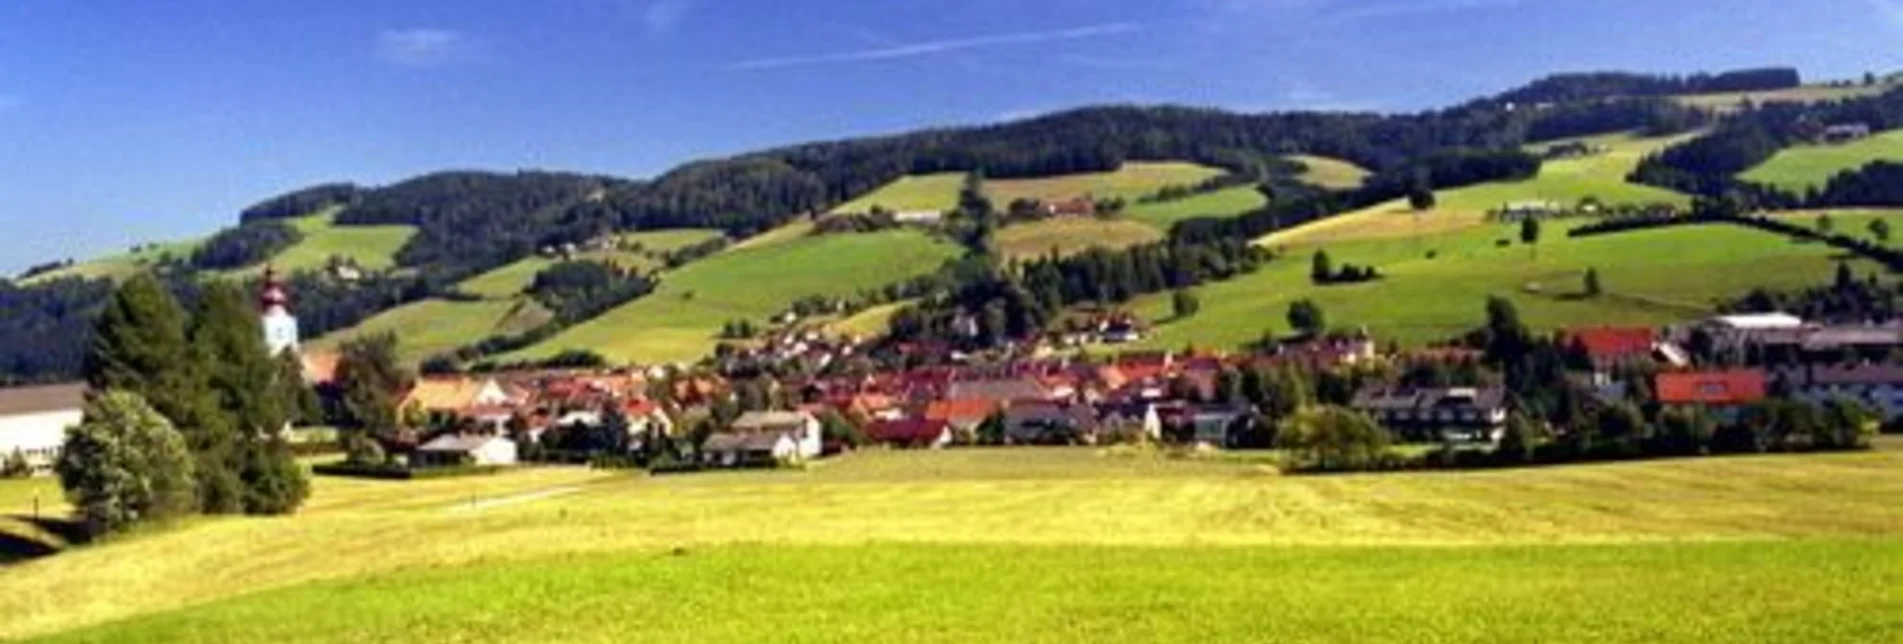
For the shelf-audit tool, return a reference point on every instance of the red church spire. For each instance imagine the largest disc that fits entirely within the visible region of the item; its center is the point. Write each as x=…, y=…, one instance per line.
x=274, y=295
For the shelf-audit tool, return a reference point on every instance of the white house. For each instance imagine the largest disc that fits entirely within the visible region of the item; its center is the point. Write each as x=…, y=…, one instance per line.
x=466, y=449
x=801, y=427
x=33, y=421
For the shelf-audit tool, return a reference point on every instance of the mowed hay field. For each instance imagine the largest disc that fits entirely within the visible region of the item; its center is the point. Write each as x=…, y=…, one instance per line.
x=1045, y=545
x=936, y=192
x=1729, y=101
x=1806, y=166
x=1650, y=277
x=1228, y=202
x=680, y=320
x=1331, y=173
x=1133, y=180
x=1071, y=235
x=1565, y=181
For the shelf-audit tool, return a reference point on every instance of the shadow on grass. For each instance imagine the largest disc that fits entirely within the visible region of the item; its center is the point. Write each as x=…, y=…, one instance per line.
x=16, y=548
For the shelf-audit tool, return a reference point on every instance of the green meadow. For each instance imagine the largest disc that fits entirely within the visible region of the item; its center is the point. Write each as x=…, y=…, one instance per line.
x=431, y=327
x=371, y=247
x=1041, y=545
x=1434, y=286
x=1133, y=180
x=1564, y=181
x=681, y=320
x=919, y=192
x=1729, y=101
x=512, y=279
x=1806, y=166
x=122, y=265
x=1227, y=202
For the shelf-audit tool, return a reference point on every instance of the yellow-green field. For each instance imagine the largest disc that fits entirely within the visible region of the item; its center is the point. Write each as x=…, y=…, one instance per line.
x=919, y=192
x=680, y=321
x=372, y=247
x=1135, y=179
x=510, y=280
x=1227, y=202
x=431, y=327
x=1565, y=181
x=1071, y=235
x=1047, y=545
x=1728, y=101
x=1806, y=166
x=1331, y=173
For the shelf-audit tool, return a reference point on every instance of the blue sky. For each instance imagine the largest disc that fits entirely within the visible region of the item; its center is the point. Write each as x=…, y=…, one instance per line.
x=136, y=121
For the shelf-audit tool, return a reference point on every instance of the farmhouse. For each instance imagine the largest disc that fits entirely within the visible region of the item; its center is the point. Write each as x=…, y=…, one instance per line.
x=1518, y=210
x=749, y=450
x=1733, y=388
x=1049, y=423
x=1846, y=133
x=455, y=398
x=1449, y=414
x=910, y=432
x=33, y=421
x=921, y=217
x=1879, y=386
x=453, y=449
x=799, y=427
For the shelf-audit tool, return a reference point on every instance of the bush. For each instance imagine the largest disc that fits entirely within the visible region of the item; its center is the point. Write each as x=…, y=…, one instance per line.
x=1335, y=439
x=125, y=464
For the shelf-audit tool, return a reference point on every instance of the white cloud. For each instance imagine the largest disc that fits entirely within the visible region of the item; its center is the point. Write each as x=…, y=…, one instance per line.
x=933, y=47
x=422, y=47
x=663, y=15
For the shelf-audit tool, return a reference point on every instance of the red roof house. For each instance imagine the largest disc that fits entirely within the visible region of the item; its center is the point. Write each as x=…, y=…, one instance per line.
x=910, y=432
x=1608, y=345
x=1715, y=388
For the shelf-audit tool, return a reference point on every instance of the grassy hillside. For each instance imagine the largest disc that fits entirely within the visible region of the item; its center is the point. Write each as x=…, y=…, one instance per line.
x=1070, y=235
x=432, y=327
x=122, y=265
x=373, y=247
x=680, y=320
x=1133, y=180
x=1798, y=168
x=1728, y=101
x=922, y=192
x=1331, y=173
x=1021, y=545
x=1228, y=202
x=1650, y=277
x=1564, y=181
x=512, y=279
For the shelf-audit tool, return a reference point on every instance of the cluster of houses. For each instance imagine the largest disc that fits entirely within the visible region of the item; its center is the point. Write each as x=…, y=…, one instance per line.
x=1156, y=396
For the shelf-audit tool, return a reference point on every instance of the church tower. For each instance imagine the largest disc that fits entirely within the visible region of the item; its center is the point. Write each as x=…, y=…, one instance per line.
x=280, y=327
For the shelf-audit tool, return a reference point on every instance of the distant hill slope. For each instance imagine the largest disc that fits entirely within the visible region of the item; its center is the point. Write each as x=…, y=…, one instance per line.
x=122, y=265
x=1799, y=168
x=1071, y=235
x=432, y=327
x=1129, y=181
x=1565, y=181
x=1227, y=202
x=513, y=278
x=1334, y=174
x=934, y=192
x=1650, y=277
x=681, y=319
x=369, y=247
x=1729, y=101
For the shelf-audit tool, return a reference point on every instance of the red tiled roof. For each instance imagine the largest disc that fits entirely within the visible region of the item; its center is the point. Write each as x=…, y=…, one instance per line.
x=960, y=410
x=1613, y=342
x=1739, y=387
x=909, y=430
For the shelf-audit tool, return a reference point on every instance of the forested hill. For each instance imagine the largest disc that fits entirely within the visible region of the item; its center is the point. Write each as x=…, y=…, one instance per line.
x=468, y=222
